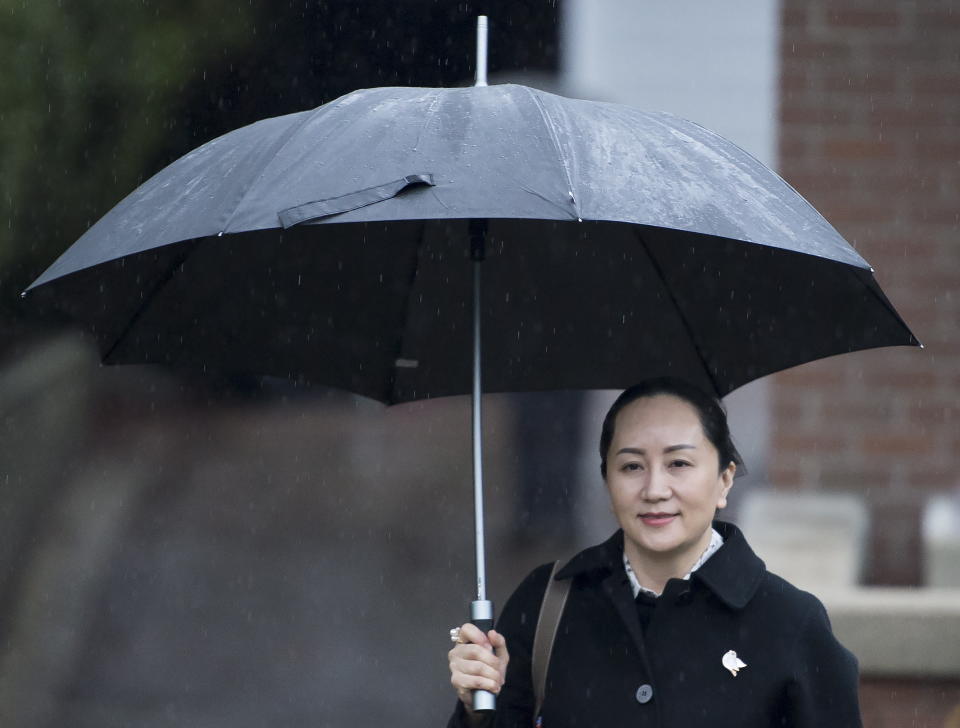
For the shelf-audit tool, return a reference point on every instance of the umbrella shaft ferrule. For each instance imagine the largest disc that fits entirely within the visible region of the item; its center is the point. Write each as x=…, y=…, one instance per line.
x=481, y=75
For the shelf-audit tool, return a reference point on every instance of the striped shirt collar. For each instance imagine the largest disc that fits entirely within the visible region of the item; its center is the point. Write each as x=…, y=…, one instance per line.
x=716, y=541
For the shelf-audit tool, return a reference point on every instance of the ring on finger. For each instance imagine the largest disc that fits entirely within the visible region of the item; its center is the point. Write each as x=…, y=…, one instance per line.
x=455, y=635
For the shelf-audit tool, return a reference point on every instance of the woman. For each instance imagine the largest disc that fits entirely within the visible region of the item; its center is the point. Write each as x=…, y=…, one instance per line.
x=673, y=621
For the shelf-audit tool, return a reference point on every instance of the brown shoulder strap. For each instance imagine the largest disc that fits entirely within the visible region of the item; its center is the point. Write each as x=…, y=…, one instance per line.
x=554, y=599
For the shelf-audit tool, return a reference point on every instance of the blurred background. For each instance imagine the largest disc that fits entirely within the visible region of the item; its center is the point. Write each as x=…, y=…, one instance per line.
x=180, y=551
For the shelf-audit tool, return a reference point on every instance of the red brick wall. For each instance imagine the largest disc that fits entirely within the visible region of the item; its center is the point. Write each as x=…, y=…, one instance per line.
x=870, y=134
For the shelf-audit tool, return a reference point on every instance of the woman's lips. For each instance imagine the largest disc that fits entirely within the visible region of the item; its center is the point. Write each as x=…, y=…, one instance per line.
x=657, y=519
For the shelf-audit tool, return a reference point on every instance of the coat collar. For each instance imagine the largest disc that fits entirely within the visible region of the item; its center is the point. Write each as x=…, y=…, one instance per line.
x=733, y=573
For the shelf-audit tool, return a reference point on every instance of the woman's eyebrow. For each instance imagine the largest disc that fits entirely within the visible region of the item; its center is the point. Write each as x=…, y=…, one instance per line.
x=641, y=451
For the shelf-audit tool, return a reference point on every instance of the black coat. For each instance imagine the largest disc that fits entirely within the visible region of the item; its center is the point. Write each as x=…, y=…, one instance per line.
x=797, y=674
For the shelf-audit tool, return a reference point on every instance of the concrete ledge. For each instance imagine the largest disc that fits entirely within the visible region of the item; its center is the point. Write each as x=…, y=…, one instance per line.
x=898, y=632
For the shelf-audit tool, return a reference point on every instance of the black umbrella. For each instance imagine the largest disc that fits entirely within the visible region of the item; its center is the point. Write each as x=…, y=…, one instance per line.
x=336, y=244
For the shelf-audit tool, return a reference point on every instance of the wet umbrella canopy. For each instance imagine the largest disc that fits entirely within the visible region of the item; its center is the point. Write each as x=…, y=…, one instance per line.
x=333, y=244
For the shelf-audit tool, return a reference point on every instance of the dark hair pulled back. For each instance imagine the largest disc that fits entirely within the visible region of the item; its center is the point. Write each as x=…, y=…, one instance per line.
x=712, y=415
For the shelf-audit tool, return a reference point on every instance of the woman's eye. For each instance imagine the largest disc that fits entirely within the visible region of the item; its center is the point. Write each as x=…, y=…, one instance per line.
x=631, y=466
x=680, y=464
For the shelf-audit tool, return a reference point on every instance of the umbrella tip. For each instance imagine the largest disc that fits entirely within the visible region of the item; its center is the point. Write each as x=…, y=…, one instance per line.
x=481, y=78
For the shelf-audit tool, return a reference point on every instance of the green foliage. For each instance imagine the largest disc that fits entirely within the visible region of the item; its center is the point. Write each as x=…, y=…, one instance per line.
x=90, y=89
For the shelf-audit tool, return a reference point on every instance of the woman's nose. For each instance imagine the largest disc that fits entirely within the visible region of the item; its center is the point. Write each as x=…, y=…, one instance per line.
x=656, y=487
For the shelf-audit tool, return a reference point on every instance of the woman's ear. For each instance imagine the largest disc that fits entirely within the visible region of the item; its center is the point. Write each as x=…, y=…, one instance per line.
x=726, y=483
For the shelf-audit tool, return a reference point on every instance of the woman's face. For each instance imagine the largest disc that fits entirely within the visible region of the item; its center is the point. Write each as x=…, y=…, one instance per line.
x=664, y=479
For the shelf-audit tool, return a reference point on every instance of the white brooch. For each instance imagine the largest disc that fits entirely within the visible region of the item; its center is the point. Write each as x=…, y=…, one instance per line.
x=732, y=662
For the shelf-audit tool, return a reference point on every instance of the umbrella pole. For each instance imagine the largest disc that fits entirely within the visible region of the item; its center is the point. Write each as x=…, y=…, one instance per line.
x=481, y=609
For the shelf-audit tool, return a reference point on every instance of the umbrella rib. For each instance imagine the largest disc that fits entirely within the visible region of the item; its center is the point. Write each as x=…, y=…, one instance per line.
x=554, y=137
x=401, y=338
x=866, y=278
x=162, y=281
x=676, y=305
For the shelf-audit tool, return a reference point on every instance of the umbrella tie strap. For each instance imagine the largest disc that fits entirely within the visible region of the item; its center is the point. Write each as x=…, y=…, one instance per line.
x=352, y=201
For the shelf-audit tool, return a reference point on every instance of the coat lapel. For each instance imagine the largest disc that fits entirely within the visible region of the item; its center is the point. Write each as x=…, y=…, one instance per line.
x=619, y=594
x=606, y=562
x=733, y=573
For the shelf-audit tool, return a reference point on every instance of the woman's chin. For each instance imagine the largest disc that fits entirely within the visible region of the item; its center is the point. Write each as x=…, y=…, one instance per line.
x=657, y=541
